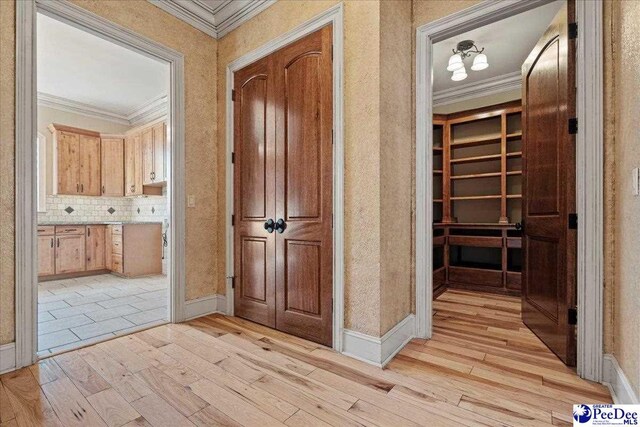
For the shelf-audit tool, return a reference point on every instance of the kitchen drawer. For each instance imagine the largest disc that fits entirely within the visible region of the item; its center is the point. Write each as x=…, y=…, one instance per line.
x=69, y=229
x=116, y=245
x=116, y=229
x=46, y=230
x=116, y=264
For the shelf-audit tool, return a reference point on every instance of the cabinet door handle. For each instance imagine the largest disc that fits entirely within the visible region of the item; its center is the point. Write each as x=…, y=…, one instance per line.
x=82, y=188
x=58, y=243
x=77, y=188
x=88, y=232
x=103, y=189
x=52, y=242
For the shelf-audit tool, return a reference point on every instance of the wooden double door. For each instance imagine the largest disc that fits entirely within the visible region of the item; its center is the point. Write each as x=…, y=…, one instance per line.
x=283, y=197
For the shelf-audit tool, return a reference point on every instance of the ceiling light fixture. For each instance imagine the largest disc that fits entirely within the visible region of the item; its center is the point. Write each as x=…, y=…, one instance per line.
x=463, y=50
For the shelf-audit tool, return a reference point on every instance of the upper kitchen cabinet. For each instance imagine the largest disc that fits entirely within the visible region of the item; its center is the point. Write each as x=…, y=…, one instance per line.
x=112, y=159
x=153, y=154
x=76, y=166
x=133, y=165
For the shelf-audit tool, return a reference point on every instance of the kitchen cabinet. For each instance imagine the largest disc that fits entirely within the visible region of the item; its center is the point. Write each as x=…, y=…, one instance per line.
x=95, y=247
x=46, y=251
x=133, y=165
x=112, y=166
x=153, y=153
x=136, y=249
x=76, y=167
x=70, y=253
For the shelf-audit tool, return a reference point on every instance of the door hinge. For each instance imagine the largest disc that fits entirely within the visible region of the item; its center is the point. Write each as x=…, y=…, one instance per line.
x=332, y=52
x=233, y=95
x=572, y=316
x=233, y=157
x=233, y=282
x=573, y=30
x=233, y=220
x=573, y=126
x=573, y=221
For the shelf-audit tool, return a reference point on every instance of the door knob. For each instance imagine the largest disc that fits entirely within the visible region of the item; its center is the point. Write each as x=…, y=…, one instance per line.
x=269, y=225
x=281, y=225
x=520, y=226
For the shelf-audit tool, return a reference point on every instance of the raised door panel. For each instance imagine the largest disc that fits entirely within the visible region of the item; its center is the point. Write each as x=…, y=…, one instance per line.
x=70, y=253
x=304, y=193
x=90, y=165
x=147, y=156
x=548, y=156
x=95, y=248
x=46, y=255
x=112, y=167
x=254, y=193
x=68, y=163
x=159, y=152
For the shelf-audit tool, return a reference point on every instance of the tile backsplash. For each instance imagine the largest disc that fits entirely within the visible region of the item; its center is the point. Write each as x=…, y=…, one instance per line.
x=70, y=209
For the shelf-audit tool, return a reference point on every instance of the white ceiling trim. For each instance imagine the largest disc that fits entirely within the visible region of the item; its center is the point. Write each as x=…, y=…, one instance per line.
x=147, y=112
x=490, y=86
x=217, y=21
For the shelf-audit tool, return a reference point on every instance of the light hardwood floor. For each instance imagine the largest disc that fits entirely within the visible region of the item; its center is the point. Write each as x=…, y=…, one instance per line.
x=482, y=367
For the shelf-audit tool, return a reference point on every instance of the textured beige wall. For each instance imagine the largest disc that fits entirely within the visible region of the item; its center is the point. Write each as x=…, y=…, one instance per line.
x=396, y=240
x=7, y=120
x=627, y=207
x=203, y=258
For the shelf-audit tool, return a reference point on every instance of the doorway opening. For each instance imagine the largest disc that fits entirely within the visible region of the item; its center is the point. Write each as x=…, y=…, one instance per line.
x=104, y=211
x=504, y=248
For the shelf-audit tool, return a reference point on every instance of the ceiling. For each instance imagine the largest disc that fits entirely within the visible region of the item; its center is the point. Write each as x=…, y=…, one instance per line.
x=213, y=17
x=82, y=68
x=507, y=44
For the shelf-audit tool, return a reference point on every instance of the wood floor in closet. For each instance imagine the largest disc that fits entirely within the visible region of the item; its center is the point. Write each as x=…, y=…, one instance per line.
x=482, y=367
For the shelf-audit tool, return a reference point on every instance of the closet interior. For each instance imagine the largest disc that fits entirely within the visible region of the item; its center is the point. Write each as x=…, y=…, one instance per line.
x=477, y=198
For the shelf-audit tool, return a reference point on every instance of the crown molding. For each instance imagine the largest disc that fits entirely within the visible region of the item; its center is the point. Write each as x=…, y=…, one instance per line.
x=214, y=21
x=147, y=112
x=486, y=87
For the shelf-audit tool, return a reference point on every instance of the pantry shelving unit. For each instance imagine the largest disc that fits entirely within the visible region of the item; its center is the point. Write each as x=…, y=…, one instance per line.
x=477, y=185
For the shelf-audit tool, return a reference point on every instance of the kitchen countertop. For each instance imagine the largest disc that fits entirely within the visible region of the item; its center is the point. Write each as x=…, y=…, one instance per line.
x=99, y=222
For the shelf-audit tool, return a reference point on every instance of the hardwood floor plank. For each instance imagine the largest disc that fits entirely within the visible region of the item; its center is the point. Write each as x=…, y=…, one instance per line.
x=71, y=407
x=210, y=416
x=112, y=408
x=305, y=419
x=180, y=397
x=233, y=406
x=159, y=413
x=6, y=410
x=29, y=403
x=85, y=378
x=46, y=371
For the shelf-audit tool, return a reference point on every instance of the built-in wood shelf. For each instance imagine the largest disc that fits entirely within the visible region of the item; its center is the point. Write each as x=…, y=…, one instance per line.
x=514, y=135
x=515, y=154
x=437, y=200
x=476, y=159
x=477, y=142
x=489, y=197
x=437, y=171
x=514, y=196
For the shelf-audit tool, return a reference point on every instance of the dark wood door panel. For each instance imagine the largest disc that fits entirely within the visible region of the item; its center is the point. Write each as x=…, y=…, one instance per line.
x=303, y=145
x=302, y=277
x=253, y=117
x=253, y=259
x=548, y=188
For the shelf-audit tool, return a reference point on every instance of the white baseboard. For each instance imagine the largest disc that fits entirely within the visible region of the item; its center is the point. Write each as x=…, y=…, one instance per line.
x=206, y=305
x=7, y=357
x=379, y=351
x=616, y=380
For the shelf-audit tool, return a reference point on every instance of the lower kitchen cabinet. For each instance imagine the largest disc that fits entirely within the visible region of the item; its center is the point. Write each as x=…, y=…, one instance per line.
x=46, y=255
x=96, y=247
x=70, y=253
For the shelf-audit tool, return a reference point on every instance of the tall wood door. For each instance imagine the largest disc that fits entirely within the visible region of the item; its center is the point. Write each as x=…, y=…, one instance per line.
x=90, y=165
x=159, y=150
x=95, y=247
x=46, y=255
x=147, y=156
x=254, y=188
x=112, y=167
x=70, y=253
x=549, y=243
x=283, y=189
x=68, y=153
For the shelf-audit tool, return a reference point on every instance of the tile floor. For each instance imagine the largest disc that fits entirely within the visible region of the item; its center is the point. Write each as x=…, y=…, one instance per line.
x=85, y=310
